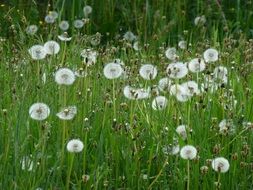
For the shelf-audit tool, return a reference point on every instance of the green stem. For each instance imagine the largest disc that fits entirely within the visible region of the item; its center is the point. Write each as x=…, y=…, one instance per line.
x=69, y=170
x=188, y=174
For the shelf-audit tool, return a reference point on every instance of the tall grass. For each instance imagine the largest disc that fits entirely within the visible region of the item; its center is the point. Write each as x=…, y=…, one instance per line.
x=123, y=139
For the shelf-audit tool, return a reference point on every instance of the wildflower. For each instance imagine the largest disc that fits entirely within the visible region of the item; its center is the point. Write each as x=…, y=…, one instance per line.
x=196, y=65
x=31, y=29
x=171, y=54
x=211, y=55
x=129, y=36
x=67, y=113
x=52, y=47
x=220, y=73
x=177, y=70
x=220, y=164
x=64, y=76
x=200, y=20
x=182, y=44
x=136, y=93
x=180, y=92
x=49, y=19
x=64, y=37
x=159, y=103
x=75, y=146
x=171, y=149
x=54, y=14
x=78, y=23
x=39, y=111
x=227, y=127
x=209, y=84
x=112, y=70
x=164, y=84
x=181, y=131
x=27, y=163
x=87, y=10
x=148, y=71
x=191, y=88
x=136, y=46
x=64, y=25
x=85, y=178
x=89, y=56
x=188, y=152
x=37, y=52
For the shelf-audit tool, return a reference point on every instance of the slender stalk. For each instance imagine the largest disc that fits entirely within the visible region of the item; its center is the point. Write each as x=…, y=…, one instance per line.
x=188, y=174
x=71, y=161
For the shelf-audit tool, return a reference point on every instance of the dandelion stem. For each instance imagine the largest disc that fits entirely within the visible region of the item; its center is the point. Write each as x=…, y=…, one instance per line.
x=70, y=170
x=188, y=174
x=114, y=102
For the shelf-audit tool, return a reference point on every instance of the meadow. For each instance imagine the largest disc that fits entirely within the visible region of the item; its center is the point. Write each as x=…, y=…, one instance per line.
x=141, y=94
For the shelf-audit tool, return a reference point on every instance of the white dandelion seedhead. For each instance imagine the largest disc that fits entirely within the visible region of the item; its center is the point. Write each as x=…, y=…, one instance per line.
x=89, y=56
x=221, y=73
x=211, y=55
x=209, y=84
x=227, y=127
x=197, y=65
x=191, y=88
x=136, y=93
x=64, y=37
x=49, y=19
x=64, y=25
x=200, y=20
x=129, y=36
x=87, y=10
x=181, y=131
x=188, y=152
x=39, y=111
x=180, y=92
x=75, y=146
x=78, y=23
x=159, y=103
x=220, y=164
x=113, y=70
x=52, y=47
x=136, y=46
x=182, y=44
x=54, y=14
x=67, y=113
x=37, y=52
x=27, y=163
x=171, y=149
x=164, y=84
x=31, y=29
x=171, y=54
x=148, y=72
x=64, y=76
x=177, y=70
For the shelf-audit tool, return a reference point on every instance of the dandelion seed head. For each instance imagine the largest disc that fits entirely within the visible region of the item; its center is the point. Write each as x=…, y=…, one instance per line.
x=148, y=72
x=37, y=52
x=64, y=25
x=64, y=76
x=188, y=152
x=177, y=70
x=39, y=111
x=52, y=47
x=220, y=164
x=211, y=55
x=159, y=103
x=75, y=146
x=112, y=70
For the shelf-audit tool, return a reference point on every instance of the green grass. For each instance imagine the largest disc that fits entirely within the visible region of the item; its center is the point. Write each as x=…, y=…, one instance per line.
x=119, y=154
